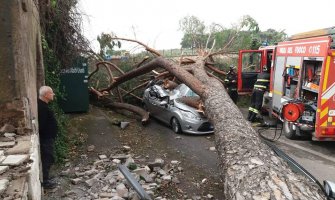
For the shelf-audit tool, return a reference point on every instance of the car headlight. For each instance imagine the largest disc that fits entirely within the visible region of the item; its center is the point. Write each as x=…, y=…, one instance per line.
x=189, y=115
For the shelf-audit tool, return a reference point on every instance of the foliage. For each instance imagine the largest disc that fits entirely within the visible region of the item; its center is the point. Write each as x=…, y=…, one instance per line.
x=107, y=44
x=194, y=32
x=61, y=25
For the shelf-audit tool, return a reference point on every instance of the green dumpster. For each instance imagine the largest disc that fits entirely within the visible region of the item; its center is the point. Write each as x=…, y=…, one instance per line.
x=74, y=84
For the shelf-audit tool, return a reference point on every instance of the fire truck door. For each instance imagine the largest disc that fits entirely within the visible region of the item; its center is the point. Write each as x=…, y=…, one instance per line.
x=249, y=66
x=278, y=82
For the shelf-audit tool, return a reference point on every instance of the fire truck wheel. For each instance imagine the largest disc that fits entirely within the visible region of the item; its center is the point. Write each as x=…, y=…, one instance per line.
x=289, y=132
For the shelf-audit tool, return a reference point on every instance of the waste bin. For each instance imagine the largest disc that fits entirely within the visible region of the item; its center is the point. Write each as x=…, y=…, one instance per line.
x=74, y=85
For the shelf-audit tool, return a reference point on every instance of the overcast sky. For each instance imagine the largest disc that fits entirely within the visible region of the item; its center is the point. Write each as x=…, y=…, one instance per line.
x=156, y=22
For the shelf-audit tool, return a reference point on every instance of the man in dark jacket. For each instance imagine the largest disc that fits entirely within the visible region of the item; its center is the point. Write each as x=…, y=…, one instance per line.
x=261, y=85
x=47, y=131
x=230, y=84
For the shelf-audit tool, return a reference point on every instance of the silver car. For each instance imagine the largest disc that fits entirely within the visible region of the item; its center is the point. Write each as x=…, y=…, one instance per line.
x=166, y=107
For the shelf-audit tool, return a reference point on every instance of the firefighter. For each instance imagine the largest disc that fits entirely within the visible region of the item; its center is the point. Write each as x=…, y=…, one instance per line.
x=261, y=85
x=230, y=84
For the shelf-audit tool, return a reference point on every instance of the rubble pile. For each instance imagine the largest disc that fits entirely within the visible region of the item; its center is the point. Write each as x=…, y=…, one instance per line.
x=102, y=179
x=14, y=163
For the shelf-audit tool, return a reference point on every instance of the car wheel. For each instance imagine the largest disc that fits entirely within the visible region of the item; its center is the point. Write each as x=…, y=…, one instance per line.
x=289, y=132
x=175, y=125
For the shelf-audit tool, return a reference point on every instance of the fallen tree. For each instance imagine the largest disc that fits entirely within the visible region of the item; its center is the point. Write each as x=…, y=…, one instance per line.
x=249, y=168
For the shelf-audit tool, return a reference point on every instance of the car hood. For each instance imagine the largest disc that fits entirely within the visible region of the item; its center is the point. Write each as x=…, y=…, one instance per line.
x=186, y=108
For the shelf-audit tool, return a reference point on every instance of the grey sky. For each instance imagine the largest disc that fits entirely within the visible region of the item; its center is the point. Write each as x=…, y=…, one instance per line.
x=156, y=22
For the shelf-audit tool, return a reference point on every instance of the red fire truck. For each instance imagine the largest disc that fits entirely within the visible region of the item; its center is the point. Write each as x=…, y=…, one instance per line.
x=302, y=83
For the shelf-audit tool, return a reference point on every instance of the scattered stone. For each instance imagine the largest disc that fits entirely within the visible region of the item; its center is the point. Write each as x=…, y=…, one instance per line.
x=76, y=181
x=127, y=148
x=90, y=148
x=175, y=180
x=123, y=125
x=122, y=190
x=212, y=148
x=178, y=137
x=256, y=161
x=105, y=195
x=174, y=162
x=97, y=163
x=180, y=169
x=157, y=163
x=116, y=161
x=209, y=196
x=204, y=180
x=129, y=161
x=162, y=172
x=143, y=173
x=121, y=157
x=167, y=178
x=91, y=182
x=104, y=189
x=102, y=157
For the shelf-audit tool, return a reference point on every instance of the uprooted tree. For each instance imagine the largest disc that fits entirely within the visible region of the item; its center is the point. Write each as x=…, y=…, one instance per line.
x=249, y=168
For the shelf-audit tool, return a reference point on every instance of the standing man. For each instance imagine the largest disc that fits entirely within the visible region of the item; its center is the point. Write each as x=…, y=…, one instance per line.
x=230, y=83
x=261, y=85
x=48, y=132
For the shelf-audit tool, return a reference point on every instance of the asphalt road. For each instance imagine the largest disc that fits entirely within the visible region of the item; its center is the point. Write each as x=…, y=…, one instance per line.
x=318, y=158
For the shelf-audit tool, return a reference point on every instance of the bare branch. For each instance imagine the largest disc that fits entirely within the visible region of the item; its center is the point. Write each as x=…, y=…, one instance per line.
x=145, y=46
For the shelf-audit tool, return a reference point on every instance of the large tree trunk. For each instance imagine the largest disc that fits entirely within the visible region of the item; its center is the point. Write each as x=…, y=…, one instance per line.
x=250, y=169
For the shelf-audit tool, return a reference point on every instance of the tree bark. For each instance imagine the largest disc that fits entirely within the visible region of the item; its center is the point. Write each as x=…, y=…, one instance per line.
x=250, y=169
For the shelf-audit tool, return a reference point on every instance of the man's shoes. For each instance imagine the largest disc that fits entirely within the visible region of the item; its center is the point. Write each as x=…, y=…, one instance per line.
x=49, y=184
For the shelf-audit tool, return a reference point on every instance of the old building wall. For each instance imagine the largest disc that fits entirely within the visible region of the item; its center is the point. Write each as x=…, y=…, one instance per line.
x=21, y=73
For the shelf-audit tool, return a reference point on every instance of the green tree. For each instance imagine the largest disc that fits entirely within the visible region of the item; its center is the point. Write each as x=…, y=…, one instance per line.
x=245, y=34
x=107, y=44
x=194, y=32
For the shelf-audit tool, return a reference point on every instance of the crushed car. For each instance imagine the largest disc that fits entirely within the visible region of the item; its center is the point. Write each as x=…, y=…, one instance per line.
x=169, y=107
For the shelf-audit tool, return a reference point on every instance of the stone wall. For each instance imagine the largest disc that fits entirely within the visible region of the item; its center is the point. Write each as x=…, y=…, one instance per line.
x=21, y=69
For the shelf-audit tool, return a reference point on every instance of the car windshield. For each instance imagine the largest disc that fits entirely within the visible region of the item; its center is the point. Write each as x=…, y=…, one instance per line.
x=182, y=90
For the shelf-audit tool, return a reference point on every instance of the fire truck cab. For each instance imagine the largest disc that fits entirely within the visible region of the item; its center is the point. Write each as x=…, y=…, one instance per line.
x=302, y=83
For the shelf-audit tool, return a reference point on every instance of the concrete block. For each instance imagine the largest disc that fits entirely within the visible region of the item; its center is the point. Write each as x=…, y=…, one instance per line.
x=3, y=169
x=7, y=144
x=22, y=147
x=3, y=185
x=15, y=160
